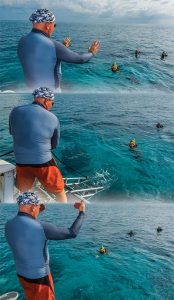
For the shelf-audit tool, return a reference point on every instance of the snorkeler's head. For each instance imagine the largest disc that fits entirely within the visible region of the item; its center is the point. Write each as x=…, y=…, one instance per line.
x=132, y=143
x=114, y=67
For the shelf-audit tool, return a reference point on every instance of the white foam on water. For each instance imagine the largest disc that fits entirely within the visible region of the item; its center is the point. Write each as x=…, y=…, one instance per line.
x=7, y=92
x=102, y=178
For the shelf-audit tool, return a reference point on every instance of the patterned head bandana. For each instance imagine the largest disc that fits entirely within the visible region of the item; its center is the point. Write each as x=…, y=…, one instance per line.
x=43, y=92
x=28, y=198
x=42, y=15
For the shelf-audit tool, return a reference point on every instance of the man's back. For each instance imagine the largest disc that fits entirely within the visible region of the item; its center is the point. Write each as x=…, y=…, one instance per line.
x=41, y=58
x=37, y=54
x=26, y=237
x=33, y=128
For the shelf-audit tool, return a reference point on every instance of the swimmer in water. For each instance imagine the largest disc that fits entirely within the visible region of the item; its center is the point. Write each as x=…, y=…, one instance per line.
x=133, y=147
x=159, y=125
x=115, y=68
x=103, y=250
x=137, y=53
x=159, y=229
x=131, y=233
x=163, y=55
x=133, y=144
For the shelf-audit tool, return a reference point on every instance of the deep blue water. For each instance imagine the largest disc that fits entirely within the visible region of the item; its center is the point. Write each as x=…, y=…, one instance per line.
x=136, y=268
x=118, y=43
x=95, y=132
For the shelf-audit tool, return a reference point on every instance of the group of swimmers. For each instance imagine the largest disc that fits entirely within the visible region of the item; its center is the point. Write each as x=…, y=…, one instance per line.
x=115, y=68
x=131, y=233
x=163, y=55
x=133, y=144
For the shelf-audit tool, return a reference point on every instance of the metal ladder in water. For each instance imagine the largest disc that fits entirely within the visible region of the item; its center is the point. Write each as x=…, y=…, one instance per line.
x=81, y=188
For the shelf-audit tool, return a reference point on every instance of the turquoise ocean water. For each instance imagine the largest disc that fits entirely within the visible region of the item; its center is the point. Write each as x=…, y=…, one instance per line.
x=95, y=131
x=118, y=43
x=139, y=268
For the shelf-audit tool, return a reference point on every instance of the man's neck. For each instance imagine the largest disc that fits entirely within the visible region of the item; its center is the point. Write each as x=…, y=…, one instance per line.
x=34, y=102
x=36, y=30
x=43, y=102
x=26, y=213
x=40, y=102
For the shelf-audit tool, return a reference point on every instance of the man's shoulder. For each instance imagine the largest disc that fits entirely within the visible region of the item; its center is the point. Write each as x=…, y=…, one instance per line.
x=20, y=107
x=21, y=111
x=46, y=115
x=52, y=116
x=24, y=37
x=25, y=220
x=27, y=37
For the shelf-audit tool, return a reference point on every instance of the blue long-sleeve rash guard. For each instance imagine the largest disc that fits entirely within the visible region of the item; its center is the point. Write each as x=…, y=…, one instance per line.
x=41, y=59
x=35, y=133
x=28, y=238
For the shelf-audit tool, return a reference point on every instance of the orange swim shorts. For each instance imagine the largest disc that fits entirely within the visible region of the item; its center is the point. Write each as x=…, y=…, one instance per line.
x=47, y=174
x=38, y=289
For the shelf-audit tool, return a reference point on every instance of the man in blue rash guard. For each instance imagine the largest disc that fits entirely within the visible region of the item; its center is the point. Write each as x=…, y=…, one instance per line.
x=35, y=133
x=28, y=238
x=41, y=56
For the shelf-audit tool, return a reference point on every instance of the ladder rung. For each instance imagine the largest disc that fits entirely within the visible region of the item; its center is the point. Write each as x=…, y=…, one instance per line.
x=88, y=189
